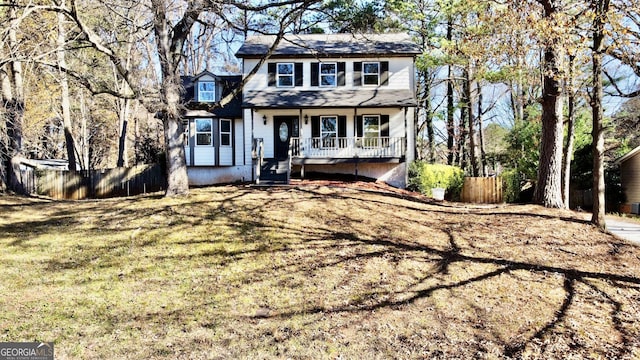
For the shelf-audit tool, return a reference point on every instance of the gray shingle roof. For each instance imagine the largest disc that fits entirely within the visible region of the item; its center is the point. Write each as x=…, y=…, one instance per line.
x=311, y=45
x=335, y=98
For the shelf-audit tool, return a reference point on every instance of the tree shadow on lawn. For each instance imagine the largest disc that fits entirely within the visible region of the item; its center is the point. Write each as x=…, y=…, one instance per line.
x=323, y=247
x=442, y=260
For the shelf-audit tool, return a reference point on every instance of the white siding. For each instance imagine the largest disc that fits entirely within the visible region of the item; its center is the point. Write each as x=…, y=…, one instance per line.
x=202, y=176
x=204, y=155
x=238, y=134
x=226, y=156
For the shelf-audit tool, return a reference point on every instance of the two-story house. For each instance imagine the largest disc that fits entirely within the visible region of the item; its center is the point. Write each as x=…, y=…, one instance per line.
x=325, y=103
x=334, y=103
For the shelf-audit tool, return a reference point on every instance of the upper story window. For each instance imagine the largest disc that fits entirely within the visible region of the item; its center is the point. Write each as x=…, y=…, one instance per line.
x=225, y=132
x=285, y=74
x=328, y=74
x=206, y=91
x=371, y=73
x=204, y=132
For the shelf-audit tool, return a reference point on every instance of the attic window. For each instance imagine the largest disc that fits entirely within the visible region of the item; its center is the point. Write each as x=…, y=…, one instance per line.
x=206, y=91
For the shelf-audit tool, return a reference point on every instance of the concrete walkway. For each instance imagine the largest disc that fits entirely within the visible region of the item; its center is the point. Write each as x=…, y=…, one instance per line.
x=625, y=229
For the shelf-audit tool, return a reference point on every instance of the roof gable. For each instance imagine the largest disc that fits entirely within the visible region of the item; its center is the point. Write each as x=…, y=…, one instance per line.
x=225, y=83
x=344, y=45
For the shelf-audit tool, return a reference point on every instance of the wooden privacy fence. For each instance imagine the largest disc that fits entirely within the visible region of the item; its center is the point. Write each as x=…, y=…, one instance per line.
x=99, y=183
x=487, y=190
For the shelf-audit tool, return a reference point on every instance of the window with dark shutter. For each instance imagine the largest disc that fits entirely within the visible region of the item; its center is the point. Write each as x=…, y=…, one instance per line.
x=384, y=73
x=271, y=67
x=315, y=74
x=298, y=74
x=384, y=125
x=315, y=131
x=359, y=126
x=357, y=74
x=341, y=73
x=342, y=131
x=384, y=130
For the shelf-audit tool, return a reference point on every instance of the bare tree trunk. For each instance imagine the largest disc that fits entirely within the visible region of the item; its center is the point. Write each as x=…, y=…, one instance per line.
x=483, y=153
x=473, y=148
x=13, y=101
x=450, y=109
x=548, y=188
x=598, y=214
x=122, y=132
x=170, y=41
x=65, y=101
x=568, y=150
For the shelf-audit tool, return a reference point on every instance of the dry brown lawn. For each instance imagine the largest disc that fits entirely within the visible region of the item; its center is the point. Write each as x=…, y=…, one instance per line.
x=355, y=271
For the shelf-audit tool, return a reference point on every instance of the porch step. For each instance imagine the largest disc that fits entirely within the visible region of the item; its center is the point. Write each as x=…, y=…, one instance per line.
x=274, y=172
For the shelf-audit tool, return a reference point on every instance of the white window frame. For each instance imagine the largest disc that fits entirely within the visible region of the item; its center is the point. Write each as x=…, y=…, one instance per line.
x=202, y=92
x=210, y=132
x=222, y=143
x=365, y=73
x=322, y=75
x=326, y=135
x=280, y=76
x=371, y=139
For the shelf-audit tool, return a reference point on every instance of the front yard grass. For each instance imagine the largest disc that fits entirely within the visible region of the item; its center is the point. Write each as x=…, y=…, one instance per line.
x=313, y=272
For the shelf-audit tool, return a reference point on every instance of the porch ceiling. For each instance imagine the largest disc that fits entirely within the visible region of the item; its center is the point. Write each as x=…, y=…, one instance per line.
x=335, y=98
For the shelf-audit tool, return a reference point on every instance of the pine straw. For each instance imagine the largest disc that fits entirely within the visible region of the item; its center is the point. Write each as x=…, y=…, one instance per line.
x=313, y=271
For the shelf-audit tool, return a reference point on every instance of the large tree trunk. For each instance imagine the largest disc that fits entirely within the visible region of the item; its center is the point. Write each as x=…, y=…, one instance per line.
x=598, y=219
x=65, y=101
x=13, y=101
x=170, y=41
x=548, y=188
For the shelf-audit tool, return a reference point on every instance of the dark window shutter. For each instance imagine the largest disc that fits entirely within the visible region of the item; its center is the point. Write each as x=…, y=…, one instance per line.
x=341, y=71
x=384, y=73
x=315, y=126
x=298, y=74
x=342, y=126
x=272, y=73
x=359, y=132
x=315, y=74
x=315, y=131
x=357, y=73
x=384, y=125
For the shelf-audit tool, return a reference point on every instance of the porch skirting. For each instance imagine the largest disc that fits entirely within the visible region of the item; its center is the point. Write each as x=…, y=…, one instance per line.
x=394, y=174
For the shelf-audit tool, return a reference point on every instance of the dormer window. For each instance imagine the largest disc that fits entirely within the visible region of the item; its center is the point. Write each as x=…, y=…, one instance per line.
x=206, y=91
x=371, y=73
x=328, y=74
x=285, y=74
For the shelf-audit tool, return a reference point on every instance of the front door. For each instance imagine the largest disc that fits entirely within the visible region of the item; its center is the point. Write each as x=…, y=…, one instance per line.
x=284, y=129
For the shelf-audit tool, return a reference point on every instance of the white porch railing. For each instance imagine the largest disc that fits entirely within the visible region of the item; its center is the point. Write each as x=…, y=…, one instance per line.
x=350, y=147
